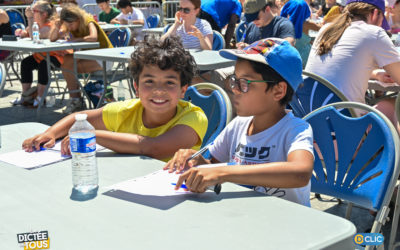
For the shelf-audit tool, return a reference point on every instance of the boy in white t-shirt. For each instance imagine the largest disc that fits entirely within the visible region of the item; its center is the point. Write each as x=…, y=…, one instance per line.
x=272, y=150
x=130, y=15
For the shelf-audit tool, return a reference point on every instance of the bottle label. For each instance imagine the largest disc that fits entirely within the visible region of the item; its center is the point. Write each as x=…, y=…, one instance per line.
x=83, y=145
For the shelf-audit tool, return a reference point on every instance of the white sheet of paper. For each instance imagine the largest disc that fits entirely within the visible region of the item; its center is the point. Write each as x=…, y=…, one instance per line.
x=36, y=159
x=158, y=183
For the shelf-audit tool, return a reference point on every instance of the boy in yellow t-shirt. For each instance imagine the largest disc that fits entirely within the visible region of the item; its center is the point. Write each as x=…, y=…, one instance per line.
x=158, y=123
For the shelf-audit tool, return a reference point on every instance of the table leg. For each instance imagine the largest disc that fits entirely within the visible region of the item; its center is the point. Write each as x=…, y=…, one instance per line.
x=105, y=85
x=41, y=102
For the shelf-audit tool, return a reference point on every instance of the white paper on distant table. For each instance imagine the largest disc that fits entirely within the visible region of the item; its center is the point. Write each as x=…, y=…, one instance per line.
x=36, y=159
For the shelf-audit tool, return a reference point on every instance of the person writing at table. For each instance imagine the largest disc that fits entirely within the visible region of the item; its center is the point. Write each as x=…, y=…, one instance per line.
x=348, y=51
x=194, y=32
x=130, y=15
x=272, y=149
x=78, y=26
x=41, y=13
x=158, y=123
x=107, y=11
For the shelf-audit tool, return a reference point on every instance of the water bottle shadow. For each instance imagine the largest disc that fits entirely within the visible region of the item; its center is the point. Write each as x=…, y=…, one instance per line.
x=77, y=195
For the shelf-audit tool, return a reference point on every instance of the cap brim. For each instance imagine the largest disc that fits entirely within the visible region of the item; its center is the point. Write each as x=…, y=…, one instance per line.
x=234, y=54
x=251, y=17
x=385, y=25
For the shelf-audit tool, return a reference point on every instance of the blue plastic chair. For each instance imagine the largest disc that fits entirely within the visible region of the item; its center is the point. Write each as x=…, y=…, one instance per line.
x=15, y=16
x=315, y=92
x=214, y=107
x=240, y=30
x=120, y=37
x=218, y=41
x=153, y=21
x=360, y=162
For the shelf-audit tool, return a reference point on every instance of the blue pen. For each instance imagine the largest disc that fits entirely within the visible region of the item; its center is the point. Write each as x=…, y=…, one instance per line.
x=216, y=188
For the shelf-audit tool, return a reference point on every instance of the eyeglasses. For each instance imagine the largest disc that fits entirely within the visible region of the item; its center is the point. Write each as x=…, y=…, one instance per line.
x=36, y=11
x=241, y=83
x=184, y=10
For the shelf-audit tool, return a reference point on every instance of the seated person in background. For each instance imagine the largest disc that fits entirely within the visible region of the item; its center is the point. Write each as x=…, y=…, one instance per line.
x=158, y=123
x=130, y=15
x=261, y=14
x=82, y=28
x=41, y=13
x=347, y=51
x=195, y=33
x=107, y=11
x=393, y=17
x=272, y=149
x=335, y=11
x=264, y=23
x=5, y=29
x=326, y=7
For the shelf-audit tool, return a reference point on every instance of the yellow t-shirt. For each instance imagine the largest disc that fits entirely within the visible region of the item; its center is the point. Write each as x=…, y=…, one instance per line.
x=332, y=14
x=102, y=38
x=126, y=117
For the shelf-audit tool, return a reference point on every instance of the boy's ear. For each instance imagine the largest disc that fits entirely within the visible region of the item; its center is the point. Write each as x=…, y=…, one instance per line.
x=183, y=90
x=279, y=91
x=135, y=86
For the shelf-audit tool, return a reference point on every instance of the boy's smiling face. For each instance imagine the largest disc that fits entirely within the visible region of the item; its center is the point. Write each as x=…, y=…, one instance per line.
x=159, y=91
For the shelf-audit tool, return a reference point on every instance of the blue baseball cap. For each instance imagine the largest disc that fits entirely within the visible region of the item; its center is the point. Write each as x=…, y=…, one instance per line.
x=380, y=4
x=275, y=52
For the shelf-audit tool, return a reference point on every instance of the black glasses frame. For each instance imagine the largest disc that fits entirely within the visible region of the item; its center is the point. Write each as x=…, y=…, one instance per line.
x=242, y=83
x=184, y=10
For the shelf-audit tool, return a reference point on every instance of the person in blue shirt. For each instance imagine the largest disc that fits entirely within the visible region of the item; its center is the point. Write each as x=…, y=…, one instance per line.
x=220, y=13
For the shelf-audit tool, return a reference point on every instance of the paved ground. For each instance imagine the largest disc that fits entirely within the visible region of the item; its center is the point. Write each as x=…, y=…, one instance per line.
x=13, y=114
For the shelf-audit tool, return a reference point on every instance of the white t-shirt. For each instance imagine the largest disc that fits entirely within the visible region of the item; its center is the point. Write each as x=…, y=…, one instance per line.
x=192, y=42
x=361, y=49
x=271, y=145
x=135, y=15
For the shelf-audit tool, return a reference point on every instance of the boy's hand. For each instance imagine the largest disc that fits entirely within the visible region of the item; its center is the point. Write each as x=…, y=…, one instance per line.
x=33, y=144
x=198, y=179
x=65, y=147
x=241, y=45
x=180, y=161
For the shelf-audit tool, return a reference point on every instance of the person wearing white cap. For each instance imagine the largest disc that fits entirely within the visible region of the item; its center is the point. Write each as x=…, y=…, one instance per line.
x=353, y=48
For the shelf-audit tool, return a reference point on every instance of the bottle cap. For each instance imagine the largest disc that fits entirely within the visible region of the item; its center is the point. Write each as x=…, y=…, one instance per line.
x=80, y=117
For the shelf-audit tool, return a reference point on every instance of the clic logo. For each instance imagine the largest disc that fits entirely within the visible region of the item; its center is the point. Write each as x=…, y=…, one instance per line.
x=372, y=239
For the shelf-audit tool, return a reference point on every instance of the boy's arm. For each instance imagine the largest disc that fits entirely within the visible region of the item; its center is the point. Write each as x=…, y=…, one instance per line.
x=61, y=128
x=160, y=147
x=295, y=172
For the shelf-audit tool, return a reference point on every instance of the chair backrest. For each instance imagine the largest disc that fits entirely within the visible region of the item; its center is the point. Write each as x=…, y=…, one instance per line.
x=356, y=158
x=218, y=41
x=153, y=21
x=214, y=107
x=240, y=30
x=212, y=86
x=16, y=26
x=15, y=16
x=313, y=93
x=120, y=37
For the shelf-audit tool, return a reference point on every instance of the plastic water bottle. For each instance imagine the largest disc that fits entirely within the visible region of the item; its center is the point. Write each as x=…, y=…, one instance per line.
x=121, y=91
x=35, y=33
x=130, y=21
x=82, y=140
x=50, y=98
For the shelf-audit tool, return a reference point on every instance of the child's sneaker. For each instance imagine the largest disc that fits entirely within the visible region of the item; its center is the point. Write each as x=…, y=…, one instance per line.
x=72, y=106
x=17, y=101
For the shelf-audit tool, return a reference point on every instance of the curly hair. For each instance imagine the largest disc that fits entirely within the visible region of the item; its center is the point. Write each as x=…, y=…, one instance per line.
x=167, y=54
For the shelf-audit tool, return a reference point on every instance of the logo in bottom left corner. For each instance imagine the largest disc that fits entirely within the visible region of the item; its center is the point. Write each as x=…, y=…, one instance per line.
x=34, y=240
